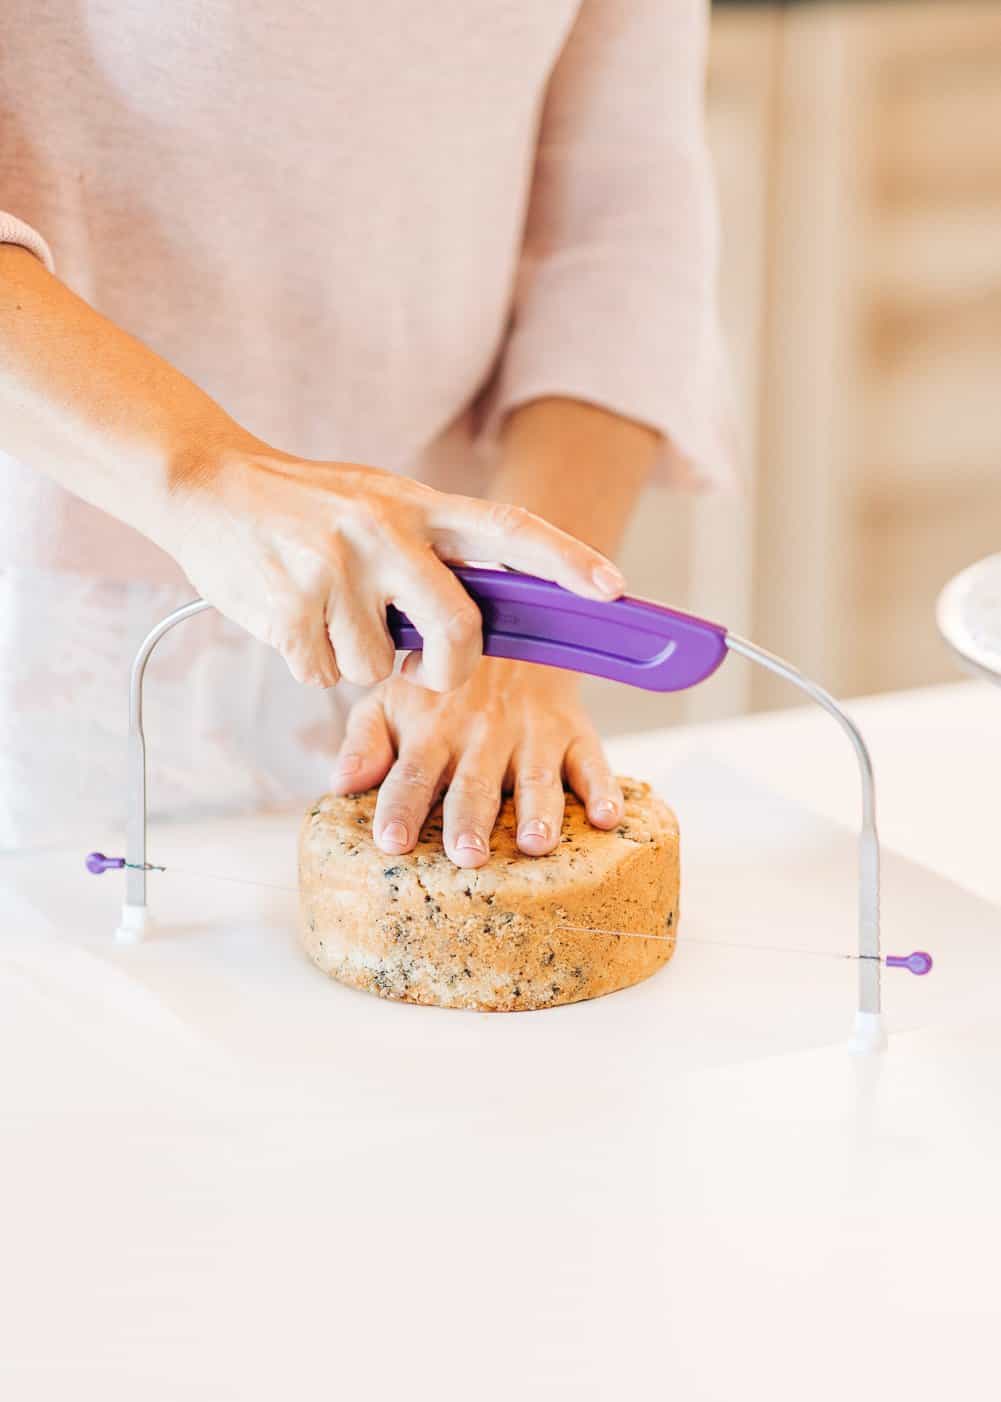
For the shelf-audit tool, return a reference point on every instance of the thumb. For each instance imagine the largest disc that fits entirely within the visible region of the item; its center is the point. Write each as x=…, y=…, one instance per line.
x=366, y=752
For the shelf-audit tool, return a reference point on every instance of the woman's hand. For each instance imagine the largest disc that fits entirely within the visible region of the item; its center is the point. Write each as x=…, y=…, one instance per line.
x=513, y=726
x=306, y=556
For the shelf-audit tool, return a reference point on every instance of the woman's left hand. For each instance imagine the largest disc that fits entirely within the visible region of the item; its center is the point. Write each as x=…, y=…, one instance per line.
x=513, y=726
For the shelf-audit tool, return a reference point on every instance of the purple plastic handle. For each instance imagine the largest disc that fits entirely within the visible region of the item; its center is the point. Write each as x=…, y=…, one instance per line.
x=626, y=640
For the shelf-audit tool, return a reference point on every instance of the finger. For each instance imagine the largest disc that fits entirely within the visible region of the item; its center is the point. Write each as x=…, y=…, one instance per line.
x=593, y=782
x=361, y=641
x=411, y=668
x=463, y=528
x=406, y=795
x=538, y=799
x=300, y=635
x=471, y=804
x=366, y=752
x=446, y=618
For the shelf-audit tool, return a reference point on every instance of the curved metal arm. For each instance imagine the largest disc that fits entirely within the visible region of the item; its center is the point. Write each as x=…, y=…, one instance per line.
x=868, y=891
x=135, y=836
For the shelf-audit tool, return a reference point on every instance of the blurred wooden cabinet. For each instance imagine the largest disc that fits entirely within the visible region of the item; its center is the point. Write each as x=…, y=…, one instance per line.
x=858, y=155
x=925, y=492
x=880, y=449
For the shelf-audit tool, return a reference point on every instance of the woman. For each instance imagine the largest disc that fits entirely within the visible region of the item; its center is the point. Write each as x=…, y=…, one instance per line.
x=473, y=245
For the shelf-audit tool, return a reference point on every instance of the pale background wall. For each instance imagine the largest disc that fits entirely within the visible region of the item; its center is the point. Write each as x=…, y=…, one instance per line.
x=858, y=154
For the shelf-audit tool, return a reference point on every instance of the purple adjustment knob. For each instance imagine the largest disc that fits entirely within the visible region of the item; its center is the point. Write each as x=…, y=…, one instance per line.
x=98, y=862
x=918, y=963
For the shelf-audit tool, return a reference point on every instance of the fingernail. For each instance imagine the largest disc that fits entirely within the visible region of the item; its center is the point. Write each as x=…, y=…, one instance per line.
x=609, y=580
x=396, y=833
x=605, y=811
x=535, y=828
x=471, y=841
x=349, y=764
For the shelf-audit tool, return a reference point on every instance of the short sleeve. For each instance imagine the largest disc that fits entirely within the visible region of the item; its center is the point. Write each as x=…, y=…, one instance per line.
x=16, y=231
x=615, y=302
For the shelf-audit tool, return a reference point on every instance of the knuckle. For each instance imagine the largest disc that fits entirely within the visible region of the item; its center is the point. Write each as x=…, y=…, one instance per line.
x=464, y=623
x=474, y=789
x=592, y=767
x=306, y=671
x=507, y=519
x=410, y=774
x=288, y=626
x=536, y=776
x=416, y=493
x=375, y=514
x=291, y=629
x=585, y=748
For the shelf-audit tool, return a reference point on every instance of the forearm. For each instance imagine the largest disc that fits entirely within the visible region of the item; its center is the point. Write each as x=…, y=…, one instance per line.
x=91, y=406
x=579, y=466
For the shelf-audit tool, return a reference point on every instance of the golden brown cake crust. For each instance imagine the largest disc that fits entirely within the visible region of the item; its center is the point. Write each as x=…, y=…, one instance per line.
x=419, y=929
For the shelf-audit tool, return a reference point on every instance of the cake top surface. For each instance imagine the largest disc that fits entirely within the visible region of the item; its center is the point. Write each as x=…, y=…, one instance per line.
x=342, y=826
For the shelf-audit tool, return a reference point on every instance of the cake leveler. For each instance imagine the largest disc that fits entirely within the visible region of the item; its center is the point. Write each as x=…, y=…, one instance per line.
x=633, y=641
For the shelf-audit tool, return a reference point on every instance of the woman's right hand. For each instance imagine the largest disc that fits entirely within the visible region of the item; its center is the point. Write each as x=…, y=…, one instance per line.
x=307, y=555
x=304, y=555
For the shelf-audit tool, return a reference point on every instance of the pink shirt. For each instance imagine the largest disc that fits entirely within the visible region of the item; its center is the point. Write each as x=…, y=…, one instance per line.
x=370, y=228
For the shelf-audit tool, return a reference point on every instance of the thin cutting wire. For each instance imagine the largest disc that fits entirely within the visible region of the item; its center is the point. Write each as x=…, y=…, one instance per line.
x=671, y=939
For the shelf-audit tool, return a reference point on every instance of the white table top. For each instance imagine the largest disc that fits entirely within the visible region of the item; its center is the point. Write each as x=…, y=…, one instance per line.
x=937, y=756
x=225, y=1177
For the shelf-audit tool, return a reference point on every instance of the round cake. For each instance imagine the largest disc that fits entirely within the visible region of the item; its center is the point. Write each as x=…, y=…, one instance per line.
x=499, y=938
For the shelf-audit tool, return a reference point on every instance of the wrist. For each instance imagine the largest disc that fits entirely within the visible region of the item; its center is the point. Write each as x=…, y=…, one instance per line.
x=550, y=443
x=207, y=460
x=203, y=450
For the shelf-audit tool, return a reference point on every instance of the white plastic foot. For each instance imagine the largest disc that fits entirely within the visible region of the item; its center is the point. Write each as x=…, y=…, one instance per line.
x=135, y=924
x=869, y=1034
